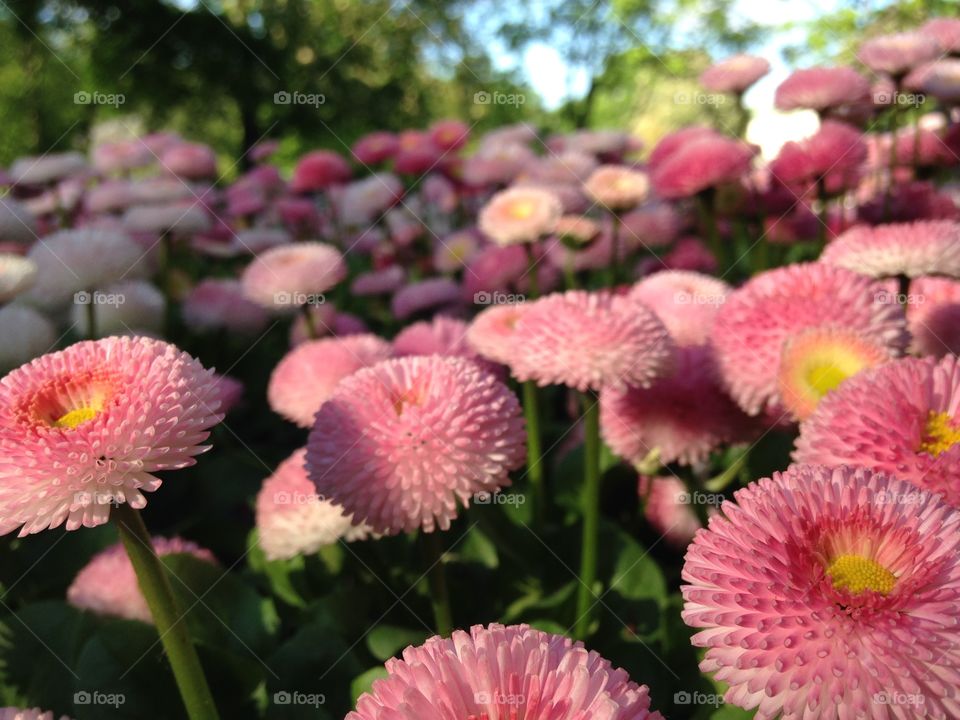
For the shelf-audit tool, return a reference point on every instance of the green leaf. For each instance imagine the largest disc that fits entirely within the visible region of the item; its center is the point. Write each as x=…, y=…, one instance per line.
x=362, y=683
x=477, y=547
x=279, y=574
x=636, y=576
x=384, y=641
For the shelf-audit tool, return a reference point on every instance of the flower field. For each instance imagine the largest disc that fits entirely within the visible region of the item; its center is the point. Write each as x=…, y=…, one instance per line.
x=511, y=424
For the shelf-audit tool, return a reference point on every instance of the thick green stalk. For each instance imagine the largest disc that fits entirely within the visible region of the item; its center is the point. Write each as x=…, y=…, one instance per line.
x=91, y=317
x=591, y=514
x=531, y=411
x=532, y=279
x=171, y=626
x=309, y=322
x=437, y=576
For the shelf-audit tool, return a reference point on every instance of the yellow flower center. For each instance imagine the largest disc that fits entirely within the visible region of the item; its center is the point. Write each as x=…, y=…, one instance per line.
x=522, y=210
x=76, y=417
x=856, y=574
x=940, y=434
x=822, y=377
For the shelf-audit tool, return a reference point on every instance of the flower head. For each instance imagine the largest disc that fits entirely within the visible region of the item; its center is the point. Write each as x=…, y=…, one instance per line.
x=107, y=585
x=735, y=74
x=88, y=426
x=430, y=294
x=503, y=672
x=897, y=53
x=400, y=443
x=821, y=88
x=701, y=163
x=17, y=274
x=687, y=302
x=26, y=333
x=219, y=303
x=520, y=215
x=821, y=592
x=493, y=332
x=590, y=340
x=920, y=248
x=900, y=418
x=289, y=276
x=617, y=187
x=758, y=318
x=319, y=170
x=307, y=375
x=933, y=314
x=292, y=519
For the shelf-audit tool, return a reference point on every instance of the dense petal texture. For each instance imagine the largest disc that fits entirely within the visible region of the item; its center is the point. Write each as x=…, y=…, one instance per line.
x=590, y=340
x=399, y=443
x=87, y=427
x=497, y=672
x=289, y=276
x=758, y=318
x=912, y=249
x=830, y=594
x=901, y=418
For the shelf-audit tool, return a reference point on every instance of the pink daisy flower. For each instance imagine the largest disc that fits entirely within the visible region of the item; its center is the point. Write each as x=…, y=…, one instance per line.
x=687, y=302
x=617, y=187
x=307, y=375
x=449, y=134
x=735, y=74
x=930, y=247
x=821, y=88
x=942, y=80
x=452, y=253
x=215, y=304
x=400, y=443
x=681, y=418
x=89, y=426
x=286, y=277
x=830, y=594
x=901, y=418
x=190, y=160
x=318, y=170
x=17, y=274
x=17, y=224
x=653, y=225
x=898, y=53
x=835, y=152
x=666, y=506
x=293, y=520
x=672, y=142
x=14, y=713
x=933, y=316
x=431, y=294
x=701, y=163
x=590, y=340
x=27, y=334
x=107, y=585
x=441, y=336
x=946, y=31
x=815, y=362
x=503, y=672
x=375, y=148
x=758, y=318
x=379, y=282
x=493, y=332
x=363, y=201
x=520, y=215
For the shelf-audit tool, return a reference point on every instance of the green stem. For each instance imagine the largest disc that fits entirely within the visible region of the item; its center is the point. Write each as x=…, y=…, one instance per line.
x=531, y=410
x=91, y=317
x=436, y=574
x=310, y=323
x=171, y=625
x=824, y=214
x=708, y=221
x=591, y=514
x=532, y=272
